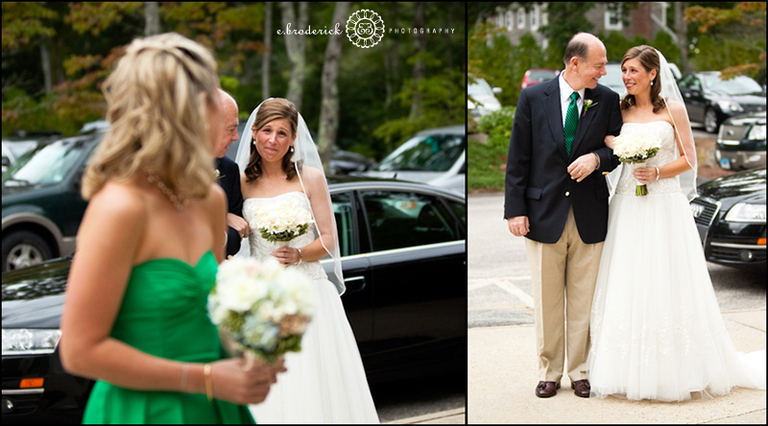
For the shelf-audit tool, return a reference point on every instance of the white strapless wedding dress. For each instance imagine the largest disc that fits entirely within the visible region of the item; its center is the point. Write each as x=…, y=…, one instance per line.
x=656, y=328
x=325, y=382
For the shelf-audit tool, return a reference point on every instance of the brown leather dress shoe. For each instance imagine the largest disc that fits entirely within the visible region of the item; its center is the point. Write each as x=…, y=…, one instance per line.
x=581, y=388
x=547, y=389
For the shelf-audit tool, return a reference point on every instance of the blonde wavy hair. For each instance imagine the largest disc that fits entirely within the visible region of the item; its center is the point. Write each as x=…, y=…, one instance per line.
x=158, y=97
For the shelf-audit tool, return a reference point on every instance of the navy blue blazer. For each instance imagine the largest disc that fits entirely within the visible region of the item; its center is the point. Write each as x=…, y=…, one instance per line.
x=229, y=180
x=537, y=183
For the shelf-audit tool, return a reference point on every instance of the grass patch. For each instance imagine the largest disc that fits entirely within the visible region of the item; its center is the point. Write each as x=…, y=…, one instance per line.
x=487, y=160
x=486, y=167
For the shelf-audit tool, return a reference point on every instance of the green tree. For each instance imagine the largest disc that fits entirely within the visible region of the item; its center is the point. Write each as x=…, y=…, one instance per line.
x=565, y=20
x=730, y=37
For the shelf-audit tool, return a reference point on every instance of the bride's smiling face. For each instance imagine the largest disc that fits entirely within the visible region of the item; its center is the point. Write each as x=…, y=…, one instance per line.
x=636, y=78
x=274, y=139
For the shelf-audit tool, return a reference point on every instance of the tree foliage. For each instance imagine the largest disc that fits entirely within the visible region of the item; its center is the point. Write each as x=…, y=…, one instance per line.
x=376, y=86
x=731, y=37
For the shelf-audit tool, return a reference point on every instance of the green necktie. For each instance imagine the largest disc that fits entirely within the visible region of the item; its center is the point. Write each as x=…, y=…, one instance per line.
x=571, y=119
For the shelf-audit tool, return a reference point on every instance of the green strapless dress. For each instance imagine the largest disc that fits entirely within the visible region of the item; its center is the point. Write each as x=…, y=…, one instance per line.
x=164, y=314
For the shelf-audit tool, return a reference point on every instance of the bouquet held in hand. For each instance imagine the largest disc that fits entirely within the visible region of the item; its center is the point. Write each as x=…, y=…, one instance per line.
x=282, y=221
x=261, y=308
x=636, y=148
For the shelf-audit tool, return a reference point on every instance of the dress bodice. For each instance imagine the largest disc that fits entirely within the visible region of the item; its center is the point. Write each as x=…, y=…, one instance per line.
x=164, y=313
x=667, y=154
x=262, y=249
x=164, y=310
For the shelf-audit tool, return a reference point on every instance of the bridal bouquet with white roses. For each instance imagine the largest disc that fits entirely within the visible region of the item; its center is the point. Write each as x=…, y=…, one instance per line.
x=282, y=221
x=636, y=148
x=261, y=308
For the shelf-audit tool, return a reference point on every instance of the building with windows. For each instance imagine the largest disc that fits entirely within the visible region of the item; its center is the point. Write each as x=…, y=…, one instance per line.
x=646, y=20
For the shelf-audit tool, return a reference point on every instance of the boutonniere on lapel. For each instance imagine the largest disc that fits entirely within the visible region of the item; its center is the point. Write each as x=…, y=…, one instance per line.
x=588, y=103
x=217, y=173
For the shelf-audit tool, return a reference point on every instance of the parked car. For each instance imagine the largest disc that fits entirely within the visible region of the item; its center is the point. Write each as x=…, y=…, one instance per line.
x=538, y=75
x=741, y=142
x=436, y=157
x=42, y=206
x=481, y=98
x=16, y=145
x=613, y=79
x=405, y=267
x=710, y=100
x=730, y=216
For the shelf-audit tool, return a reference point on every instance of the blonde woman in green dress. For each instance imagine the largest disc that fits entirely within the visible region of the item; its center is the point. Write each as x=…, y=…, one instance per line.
x=135, y=318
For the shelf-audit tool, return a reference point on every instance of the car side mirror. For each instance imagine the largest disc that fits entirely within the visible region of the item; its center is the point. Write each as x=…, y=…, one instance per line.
x=497, y=90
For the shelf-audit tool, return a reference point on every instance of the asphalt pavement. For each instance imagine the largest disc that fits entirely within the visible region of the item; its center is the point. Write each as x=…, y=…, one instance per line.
x=502, y=366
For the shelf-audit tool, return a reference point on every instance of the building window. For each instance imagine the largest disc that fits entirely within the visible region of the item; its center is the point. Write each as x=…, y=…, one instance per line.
x=613, y=20
x=535, y=18
x=509, y=17
x=500, y=21
x=520, y=19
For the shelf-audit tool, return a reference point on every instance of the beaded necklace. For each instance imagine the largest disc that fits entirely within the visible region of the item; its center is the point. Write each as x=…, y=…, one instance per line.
x=178, y=201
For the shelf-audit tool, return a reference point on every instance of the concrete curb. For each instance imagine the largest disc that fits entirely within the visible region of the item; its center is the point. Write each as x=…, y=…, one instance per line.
x=503, y=375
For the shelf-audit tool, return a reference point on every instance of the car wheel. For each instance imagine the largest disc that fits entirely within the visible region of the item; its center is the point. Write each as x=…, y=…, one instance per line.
x=710, y=121
x=22, y=249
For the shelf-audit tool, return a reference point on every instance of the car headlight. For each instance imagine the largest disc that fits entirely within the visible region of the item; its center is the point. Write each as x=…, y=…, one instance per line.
x=744, y=212
x=757, y=133
x=17, y=341
x=728, y=106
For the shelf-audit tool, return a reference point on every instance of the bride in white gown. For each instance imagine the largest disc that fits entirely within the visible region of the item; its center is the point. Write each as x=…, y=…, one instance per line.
x=325, y=382
x=656, y=328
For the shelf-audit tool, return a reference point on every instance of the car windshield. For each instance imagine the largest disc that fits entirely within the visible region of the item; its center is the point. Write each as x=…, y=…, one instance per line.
x=47, y=164
x=479, y=88
x=431, y=153
x=740, y=85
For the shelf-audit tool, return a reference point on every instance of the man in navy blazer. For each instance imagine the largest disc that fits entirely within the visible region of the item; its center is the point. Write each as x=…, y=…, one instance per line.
x=559, y=202
x=228, y=175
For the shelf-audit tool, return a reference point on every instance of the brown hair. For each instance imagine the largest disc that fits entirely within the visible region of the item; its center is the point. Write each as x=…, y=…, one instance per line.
x=158, y=97
x=270, y=110
x=649, y=60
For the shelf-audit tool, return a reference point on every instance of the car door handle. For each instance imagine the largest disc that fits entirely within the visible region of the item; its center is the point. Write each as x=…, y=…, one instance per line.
x=354, y=284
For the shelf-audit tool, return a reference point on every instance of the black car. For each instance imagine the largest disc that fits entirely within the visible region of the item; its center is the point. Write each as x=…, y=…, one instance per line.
x=710, y=100
x=741, y=142
x=42, y=206
x=405, y=268
x=730, y=216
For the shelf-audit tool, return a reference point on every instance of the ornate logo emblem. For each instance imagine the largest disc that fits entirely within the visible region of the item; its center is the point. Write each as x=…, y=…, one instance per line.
x=365, y=28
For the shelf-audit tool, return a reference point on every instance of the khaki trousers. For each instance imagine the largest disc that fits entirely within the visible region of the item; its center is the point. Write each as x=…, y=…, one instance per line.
x=563, y=276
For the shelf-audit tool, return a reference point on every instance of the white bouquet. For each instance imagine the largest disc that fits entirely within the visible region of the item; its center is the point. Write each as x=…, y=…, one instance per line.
x=282, y=221
x=261, y=307
x=636, y=148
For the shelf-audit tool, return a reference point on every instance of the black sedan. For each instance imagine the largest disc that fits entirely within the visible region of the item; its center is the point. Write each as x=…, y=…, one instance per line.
x=741, y=142
x=730, y=216
x=710, y=100
x=404, y=262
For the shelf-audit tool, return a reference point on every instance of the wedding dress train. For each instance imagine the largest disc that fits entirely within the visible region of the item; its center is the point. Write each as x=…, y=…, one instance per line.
x=656, y=327
x=325, y=382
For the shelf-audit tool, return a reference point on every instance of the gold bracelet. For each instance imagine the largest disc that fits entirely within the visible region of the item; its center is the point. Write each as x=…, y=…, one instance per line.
x=208, y=382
